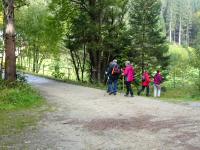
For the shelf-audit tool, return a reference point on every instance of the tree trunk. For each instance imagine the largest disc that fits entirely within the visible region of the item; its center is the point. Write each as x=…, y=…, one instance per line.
x=9, y=39
x=40, y=63
x=180, y=31
x=84, y=61
x=35, y=58
x=75, y=64
x=170, y=28
x=174, y=35
x=188, y=35
x=99, y=60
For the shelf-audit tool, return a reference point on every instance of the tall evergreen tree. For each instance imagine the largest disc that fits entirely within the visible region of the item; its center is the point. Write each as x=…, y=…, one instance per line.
x=101, y=30
x=148, y=43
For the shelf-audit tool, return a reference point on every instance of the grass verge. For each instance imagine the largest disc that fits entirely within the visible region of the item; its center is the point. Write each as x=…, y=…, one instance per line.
x=181, y=95
x=20, y=107
x=18, y=95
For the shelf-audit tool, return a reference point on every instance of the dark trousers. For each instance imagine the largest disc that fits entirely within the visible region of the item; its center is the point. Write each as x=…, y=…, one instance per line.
x=129, y=88
x=142, y=90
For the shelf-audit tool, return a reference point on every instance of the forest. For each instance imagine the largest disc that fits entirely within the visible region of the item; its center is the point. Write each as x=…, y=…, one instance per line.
x=77, y=39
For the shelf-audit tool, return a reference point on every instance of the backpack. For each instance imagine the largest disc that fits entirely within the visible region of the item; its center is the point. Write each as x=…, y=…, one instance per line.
x=116, y=70
x=143, y=78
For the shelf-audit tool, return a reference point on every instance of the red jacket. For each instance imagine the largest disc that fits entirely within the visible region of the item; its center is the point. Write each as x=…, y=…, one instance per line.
x=146, y=79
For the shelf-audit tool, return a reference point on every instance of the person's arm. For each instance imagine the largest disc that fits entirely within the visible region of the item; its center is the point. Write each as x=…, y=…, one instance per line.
x=161, y=78
x=125, y=72
x=110, y=69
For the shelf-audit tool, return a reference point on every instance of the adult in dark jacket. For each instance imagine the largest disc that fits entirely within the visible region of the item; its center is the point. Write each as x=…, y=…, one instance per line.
x=113, y=77
x=157, y=81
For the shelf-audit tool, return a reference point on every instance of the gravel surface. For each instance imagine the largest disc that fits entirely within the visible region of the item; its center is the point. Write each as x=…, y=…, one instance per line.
x=89, y=119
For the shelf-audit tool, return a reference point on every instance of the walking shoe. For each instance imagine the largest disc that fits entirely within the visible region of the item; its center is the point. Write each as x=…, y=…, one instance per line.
x=126, y=95
x=132, y=95
x=110, y=93
x=115, y=93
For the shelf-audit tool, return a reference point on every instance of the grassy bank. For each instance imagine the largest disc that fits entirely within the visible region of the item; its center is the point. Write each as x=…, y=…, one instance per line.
x=18, y=95
x=181, y=94
x=20, y=107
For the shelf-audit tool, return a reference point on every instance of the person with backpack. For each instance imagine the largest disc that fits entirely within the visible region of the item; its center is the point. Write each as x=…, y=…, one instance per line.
x=129, y=75
x=145, y=83
x=157, y=81
x=113, y=75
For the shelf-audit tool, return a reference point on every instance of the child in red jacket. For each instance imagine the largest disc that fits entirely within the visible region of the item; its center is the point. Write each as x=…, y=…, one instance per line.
x=145, y=83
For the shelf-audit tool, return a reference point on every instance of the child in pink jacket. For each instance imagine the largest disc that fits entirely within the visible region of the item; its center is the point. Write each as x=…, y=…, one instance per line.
x=129, y=77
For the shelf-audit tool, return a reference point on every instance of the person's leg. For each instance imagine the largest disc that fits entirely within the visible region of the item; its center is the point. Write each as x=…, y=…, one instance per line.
x=155, y=91
x=127, y=88
x=147, y=89
x=159, y=90
x=115, y=87
x=110, y=88
x=141, y=90
x=130, y=89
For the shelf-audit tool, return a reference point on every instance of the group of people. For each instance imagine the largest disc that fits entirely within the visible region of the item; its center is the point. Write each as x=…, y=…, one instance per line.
x=114, y=71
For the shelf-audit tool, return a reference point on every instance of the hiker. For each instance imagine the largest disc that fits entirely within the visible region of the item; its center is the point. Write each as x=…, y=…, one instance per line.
x=113, y=75
x=145, y=83
x=157, y=81
x=129, y=75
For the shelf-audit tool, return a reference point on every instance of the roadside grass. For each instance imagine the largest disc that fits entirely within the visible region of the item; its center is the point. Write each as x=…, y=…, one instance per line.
x=21, y=107
x=18, y=95
x=13, y=122
x=181, y=94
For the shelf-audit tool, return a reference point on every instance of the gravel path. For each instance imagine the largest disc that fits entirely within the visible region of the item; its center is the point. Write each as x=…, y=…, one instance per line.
x=88, y=119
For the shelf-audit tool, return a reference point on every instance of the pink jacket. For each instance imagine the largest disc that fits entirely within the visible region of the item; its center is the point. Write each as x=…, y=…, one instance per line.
x=129, y=73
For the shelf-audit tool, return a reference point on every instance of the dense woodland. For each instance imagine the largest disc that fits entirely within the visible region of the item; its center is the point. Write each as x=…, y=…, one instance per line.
x=83, y=36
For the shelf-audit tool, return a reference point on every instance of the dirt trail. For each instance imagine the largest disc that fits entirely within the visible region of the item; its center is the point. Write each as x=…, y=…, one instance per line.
x=87, y=119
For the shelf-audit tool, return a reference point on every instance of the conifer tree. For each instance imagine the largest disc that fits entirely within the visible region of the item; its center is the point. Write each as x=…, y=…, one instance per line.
x=148, y=42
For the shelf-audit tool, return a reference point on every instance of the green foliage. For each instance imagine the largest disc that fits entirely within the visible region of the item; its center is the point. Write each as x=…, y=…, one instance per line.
x=36, y=26
x=196, y=44
x=57, y=70
x=183, y=78
x=17, y=95
x=21, y=78
x=148, y=43
x=181, y=94
x=58, y=75
x=38, y=34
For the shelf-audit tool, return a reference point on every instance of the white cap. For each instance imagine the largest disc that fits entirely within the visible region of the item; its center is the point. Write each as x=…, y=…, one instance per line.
x=115, y=60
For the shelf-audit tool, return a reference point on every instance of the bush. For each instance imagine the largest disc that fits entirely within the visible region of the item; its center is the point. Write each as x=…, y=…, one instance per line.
x=21, y=77
x=58, y=75
x=17, y=95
